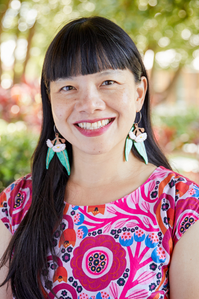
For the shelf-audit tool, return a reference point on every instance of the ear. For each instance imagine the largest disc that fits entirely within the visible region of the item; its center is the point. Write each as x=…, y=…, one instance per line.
x=141, y=88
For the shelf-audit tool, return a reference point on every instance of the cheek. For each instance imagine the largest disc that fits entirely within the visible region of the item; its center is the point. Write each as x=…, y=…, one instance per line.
x=58, y=112
x=127, y=95
x=126, y=102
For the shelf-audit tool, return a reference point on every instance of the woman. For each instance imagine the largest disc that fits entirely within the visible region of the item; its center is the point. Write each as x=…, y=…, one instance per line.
x=103, y=212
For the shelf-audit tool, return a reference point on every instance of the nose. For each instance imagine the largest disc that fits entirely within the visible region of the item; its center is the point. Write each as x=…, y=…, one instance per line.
x=90, y=100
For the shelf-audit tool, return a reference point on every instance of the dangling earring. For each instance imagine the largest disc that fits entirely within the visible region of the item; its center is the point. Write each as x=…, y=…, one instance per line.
x=57, y=146
x=136, y=137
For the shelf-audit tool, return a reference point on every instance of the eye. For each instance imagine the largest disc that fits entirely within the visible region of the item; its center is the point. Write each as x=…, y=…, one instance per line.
x=67, y=88
x=108, y=82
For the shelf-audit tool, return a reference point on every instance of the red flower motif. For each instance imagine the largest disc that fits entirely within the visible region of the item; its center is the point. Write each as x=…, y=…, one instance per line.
x=104, y=295
x=97, y=209
x=80, y=233
x=192, y=191
x=2, y=199
x=139, y=233
x=161, y=253
x=97, y=261
x=153, y=237
x=126, y=236
x=83, y=296
x=60, y=274
x=68, y=237
x=76, y=218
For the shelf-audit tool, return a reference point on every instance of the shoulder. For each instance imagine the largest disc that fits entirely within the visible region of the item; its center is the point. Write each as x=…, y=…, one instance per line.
x=177, y=200
x=15, y=201
x=173, y=183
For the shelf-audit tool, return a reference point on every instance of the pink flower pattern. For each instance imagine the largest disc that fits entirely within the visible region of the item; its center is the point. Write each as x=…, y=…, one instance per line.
x=120, y=250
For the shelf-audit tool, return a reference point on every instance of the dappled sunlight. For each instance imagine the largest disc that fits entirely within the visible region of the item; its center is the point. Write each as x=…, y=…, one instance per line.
x=167, y=38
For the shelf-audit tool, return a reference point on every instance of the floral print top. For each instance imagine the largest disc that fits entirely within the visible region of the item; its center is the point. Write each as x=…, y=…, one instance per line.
x=117, y=250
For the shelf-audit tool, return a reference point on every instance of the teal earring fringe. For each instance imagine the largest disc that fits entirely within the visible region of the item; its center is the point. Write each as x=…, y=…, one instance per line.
x=62, y=156
x=49, y=156
x=139, y=146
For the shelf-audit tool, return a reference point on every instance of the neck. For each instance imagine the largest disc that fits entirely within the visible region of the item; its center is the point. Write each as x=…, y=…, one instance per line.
x=99, y=179
x=91, y=171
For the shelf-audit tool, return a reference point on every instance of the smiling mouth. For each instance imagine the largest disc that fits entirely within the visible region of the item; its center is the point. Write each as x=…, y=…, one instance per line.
x=96, y=125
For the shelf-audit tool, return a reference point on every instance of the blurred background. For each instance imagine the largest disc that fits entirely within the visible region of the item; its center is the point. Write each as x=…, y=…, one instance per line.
x=167, y=35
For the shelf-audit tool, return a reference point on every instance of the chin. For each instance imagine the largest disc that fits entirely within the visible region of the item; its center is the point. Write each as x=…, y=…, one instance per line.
x=95, y=150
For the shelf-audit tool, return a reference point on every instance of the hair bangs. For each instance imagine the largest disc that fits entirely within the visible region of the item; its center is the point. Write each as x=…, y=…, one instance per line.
x=83, y=50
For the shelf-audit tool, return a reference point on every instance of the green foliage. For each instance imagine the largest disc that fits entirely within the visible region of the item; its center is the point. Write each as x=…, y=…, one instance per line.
x=183, y=123
x=178, y=128
x=153, y=24
x=16, y=150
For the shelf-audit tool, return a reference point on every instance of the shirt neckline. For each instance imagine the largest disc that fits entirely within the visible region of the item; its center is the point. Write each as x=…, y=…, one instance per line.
x=112, y=202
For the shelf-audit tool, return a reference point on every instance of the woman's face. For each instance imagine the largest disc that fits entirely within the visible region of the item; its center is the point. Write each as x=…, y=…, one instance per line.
x=95, y=112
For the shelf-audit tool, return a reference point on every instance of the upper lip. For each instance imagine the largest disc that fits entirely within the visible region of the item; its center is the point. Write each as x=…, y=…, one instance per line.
x=92, y=120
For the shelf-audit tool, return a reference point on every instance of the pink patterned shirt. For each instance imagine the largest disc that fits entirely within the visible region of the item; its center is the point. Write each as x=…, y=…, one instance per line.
x=117, y=250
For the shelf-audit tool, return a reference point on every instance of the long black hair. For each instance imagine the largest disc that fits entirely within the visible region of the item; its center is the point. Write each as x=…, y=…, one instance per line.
x=84, y=46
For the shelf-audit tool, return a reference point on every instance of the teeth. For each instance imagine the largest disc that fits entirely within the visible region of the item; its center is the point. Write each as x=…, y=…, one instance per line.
x=94, y=126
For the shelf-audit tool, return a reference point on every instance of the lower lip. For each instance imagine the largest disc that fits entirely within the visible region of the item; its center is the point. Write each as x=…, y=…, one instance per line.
x=95, y=132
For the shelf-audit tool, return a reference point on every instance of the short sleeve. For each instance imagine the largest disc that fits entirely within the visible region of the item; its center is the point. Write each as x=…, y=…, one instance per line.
x=186, y=206
x=15, y=201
